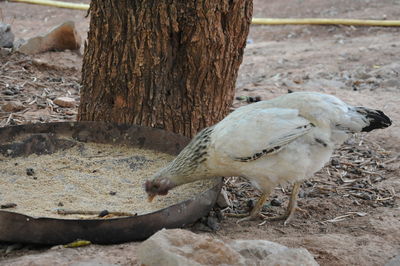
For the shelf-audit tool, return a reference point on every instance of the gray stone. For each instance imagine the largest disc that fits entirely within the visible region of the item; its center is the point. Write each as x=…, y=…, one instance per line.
x=6, y=36
x=290, y=257
x=394, y=262
x=64, y=102
x=5, y=51
x=13, y=106
x=223, y=200
x=256, y=249
x=93, y=262
x=263, y=252
x=60, y=38
x=181, y=247
x=18, y=43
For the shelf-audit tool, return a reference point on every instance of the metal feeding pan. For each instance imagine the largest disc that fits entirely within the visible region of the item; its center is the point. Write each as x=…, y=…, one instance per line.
x=50, y=137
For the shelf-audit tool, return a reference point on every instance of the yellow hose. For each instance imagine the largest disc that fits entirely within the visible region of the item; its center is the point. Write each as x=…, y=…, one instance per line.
x=55, y=4
x=257, y=21
x=325, y=21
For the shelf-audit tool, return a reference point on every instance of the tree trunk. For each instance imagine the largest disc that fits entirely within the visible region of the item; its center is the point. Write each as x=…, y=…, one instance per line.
x=166, y=64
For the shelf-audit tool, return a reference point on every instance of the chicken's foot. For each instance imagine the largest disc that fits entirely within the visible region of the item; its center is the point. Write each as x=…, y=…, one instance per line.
x=255, y=212
x=292, y=206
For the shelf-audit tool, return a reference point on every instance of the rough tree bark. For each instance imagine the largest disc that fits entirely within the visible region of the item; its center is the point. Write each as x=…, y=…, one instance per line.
x=169, y=64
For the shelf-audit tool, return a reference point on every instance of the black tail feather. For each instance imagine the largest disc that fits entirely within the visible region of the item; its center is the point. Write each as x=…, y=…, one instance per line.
x=376, y=118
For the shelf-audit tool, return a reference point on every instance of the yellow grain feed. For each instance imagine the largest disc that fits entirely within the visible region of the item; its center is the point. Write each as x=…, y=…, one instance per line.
x=87, y=177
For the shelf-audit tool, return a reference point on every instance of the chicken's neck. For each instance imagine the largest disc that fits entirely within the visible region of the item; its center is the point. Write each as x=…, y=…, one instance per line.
x=190, y=164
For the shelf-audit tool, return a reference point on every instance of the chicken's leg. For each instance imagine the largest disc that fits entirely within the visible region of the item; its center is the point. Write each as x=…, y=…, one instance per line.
x=288, y=215
x=255, y=212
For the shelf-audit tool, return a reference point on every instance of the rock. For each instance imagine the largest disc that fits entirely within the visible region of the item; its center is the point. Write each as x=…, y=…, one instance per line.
x=60, y=38
x=259, y=249
x=5, y=51
x=18, y=43
x=291, y=257
x=213, y=223
x=6, y=36
x=8, y=205
x=200, y=226
x=253, y=99
x=394, y=262
x=13, y=106
x=223, y=200
x=30, y=171
x=263, y=252
x=9, y=92
x=182, y=247
x=93, y=262
x=64, y=102
x=276, y=202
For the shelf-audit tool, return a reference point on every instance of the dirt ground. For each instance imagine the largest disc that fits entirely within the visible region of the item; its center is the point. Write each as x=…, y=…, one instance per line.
x=361, y=65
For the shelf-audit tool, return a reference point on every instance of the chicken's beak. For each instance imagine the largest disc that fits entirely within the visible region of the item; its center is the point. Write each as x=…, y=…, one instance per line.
x=150, y=197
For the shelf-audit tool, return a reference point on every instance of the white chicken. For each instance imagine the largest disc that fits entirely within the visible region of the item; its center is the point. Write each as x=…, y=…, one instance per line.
x=288, y=138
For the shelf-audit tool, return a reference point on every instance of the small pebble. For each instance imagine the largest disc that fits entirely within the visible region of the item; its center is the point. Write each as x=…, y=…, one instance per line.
x=59, y=79
x=366, y=196
x=219, y=215
x=203, y=220
x=254, y=99
x=202, y=227
x=30, y=171
x=65, y=102
x=13, y=106
x=9, y=92
x=251, y=203
x=249, y=99
x=213, y=223
x=359, y=185
x=103, y=213
x=276, y=202
x=334, y=162
x=8, y=205
x=308, y=183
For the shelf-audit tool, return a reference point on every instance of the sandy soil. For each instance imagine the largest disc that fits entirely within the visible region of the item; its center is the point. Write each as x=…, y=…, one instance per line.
x=361, y=65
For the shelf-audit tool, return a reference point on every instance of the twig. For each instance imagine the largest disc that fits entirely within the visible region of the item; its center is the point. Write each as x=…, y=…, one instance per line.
x=391, y=160
x=9, y=119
